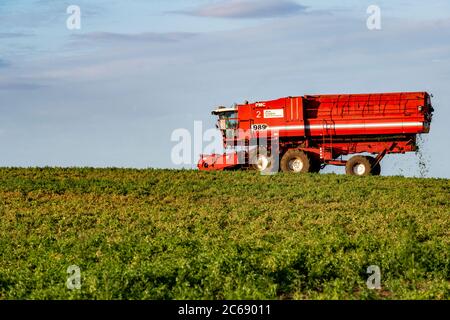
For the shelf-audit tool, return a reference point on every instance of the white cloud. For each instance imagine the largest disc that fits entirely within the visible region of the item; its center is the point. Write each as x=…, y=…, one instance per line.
x=247, y=9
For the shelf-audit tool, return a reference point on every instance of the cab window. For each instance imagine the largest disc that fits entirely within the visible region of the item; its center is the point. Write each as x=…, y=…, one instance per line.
x=228, y=120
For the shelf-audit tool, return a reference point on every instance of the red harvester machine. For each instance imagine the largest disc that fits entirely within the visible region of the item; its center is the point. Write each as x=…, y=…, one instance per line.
x=303, y=134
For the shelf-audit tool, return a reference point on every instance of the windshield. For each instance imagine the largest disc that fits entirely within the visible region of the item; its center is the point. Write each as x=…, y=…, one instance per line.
x=228, y=120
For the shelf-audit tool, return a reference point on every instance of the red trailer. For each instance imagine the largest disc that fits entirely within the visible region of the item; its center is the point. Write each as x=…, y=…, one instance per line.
x=306, y=133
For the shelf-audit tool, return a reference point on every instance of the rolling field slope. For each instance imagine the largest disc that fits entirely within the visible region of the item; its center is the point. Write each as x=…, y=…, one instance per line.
x=159, y=234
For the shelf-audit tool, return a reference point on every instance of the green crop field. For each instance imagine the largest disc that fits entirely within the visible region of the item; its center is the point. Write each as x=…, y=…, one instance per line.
x=161, y=234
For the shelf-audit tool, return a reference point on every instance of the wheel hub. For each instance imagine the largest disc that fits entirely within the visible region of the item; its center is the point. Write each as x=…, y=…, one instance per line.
x=296, y=165
x=359, y=169
x=262, y=163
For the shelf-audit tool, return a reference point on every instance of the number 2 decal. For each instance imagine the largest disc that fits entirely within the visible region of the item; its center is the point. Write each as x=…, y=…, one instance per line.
x=258, y=114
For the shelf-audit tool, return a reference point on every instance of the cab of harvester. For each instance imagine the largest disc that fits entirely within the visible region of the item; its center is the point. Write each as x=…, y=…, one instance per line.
x=228, y=124
x=227, y=121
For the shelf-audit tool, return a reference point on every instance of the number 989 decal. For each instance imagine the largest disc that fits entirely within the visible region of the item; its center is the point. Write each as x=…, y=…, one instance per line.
x=260, y=127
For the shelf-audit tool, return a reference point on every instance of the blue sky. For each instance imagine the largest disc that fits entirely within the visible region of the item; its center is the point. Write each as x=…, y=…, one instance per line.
x=111, y=93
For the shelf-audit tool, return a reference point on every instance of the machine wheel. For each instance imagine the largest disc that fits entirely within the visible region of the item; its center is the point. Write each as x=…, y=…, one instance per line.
x=359, y=166
x=376, y=169
x=296, y=161
x=261, y=160
x=315, y=164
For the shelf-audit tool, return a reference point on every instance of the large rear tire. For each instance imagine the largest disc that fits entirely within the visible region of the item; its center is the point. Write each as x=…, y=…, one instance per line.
x=359, y=166
x=296, y=161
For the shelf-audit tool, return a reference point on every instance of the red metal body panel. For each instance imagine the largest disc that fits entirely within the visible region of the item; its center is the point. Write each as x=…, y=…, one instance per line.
x=339, y=115
x=219, y=162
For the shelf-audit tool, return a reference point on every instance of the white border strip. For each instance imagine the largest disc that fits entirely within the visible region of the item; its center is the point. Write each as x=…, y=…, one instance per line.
x=350, y=126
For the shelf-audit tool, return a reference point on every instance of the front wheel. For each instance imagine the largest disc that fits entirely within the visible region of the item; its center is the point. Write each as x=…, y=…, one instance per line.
x=296, y=161
x=261, y=160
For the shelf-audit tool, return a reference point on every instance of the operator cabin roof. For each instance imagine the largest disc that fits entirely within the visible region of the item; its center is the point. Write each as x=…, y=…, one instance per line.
x=224, y=109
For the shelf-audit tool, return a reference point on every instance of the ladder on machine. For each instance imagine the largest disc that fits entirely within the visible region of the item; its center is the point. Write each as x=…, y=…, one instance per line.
x=326, y=151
